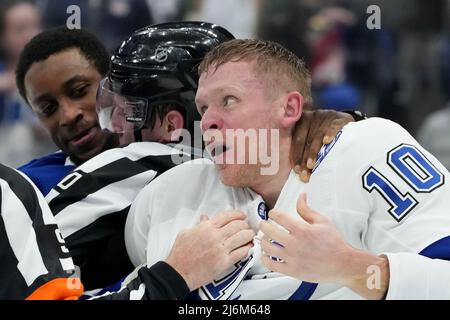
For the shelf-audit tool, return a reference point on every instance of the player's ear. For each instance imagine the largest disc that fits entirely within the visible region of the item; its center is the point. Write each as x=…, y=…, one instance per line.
x=292, y=108
x=173, y=123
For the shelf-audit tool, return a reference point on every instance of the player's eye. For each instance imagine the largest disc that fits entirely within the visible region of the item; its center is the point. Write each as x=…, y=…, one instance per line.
x=48, y=109
x=79, y=91
x=203, y=109
x=228, y=100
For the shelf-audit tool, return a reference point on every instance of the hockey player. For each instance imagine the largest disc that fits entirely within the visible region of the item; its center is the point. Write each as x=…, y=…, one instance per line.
x=383, y=227
x=57, y=75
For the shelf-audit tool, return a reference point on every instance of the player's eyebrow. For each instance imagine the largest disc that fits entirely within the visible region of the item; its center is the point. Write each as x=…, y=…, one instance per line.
x=69, y=83
x=65, y=86
x=42, y=98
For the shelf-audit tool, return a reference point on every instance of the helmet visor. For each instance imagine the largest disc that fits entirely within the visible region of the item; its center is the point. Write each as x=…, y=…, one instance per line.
x=119, y=113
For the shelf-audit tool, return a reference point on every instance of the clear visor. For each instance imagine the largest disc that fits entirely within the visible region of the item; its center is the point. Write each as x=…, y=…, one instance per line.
x=118, y=113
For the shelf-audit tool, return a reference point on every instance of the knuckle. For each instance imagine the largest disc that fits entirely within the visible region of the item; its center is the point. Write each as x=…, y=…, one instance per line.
x=235, y=214
x=247, y=237
x=264, y=245
x=296, y=232
x=244, y=225
x=228, y=215
x=273, y=214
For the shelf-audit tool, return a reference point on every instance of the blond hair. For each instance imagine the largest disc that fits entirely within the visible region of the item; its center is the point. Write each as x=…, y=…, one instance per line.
x=276, y=65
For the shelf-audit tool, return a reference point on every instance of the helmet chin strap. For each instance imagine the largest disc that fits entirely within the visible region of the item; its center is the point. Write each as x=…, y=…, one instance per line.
x=138, y=135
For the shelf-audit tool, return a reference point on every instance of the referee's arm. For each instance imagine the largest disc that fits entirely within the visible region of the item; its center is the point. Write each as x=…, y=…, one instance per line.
x=158, y=282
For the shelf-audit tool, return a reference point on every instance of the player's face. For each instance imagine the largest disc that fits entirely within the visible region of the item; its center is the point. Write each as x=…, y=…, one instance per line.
x=62, y=91
x=233, y=97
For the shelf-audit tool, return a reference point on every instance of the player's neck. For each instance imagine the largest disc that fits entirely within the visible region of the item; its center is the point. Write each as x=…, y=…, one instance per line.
x=269, y=187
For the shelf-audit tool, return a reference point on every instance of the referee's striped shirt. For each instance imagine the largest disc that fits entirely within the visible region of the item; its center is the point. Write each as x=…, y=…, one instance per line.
x=34, y=262
x=91, y=205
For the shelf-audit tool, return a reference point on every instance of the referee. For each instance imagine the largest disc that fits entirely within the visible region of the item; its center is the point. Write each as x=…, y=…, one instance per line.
x=34, y=262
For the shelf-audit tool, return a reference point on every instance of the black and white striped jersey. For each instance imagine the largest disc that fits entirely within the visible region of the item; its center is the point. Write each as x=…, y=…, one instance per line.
x=91, y=205
x=34, y=261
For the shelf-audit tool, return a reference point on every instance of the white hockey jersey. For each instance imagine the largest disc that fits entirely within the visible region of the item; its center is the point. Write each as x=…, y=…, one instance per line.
x=378, y=186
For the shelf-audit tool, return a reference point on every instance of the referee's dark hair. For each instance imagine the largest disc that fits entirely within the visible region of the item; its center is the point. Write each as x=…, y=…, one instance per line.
x=57, y=40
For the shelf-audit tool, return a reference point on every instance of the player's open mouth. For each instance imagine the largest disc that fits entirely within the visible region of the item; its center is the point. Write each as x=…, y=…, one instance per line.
x=217, y=150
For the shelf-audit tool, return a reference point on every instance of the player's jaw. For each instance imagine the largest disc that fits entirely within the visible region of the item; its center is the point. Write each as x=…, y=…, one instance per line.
x=84, y=141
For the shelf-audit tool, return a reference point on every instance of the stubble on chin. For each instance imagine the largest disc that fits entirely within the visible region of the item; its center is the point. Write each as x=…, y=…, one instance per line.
x=238, y=176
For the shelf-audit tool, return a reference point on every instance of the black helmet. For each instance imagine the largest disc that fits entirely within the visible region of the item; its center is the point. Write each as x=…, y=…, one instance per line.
x=157, y=65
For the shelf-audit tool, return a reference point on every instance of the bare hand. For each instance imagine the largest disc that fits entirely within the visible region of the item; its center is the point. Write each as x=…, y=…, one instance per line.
x=313, y=250
x=314, y=129
x=203, y=253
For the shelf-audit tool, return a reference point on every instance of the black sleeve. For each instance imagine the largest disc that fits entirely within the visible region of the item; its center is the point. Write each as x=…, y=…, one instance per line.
x=159, y=282
x=356, y=114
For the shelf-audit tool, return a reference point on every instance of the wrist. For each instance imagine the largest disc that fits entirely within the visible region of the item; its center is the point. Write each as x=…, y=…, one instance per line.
x=366, y=274
x=185, y=275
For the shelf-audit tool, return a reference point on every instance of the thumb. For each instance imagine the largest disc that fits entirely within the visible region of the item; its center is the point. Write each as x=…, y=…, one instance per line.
x=306, y=212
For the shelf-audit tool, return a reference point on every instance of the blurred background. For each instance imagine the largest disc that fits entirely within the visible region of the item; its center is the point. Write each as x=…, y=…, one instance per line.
x=400, y=72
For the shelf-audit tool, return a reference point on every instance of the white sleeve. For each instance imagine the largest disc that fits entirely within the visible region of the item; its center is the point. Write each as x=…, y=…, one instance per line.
x=391, y=196
x=150, y=229
x=137, y=226
x=415, y=277
x=166, y=206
